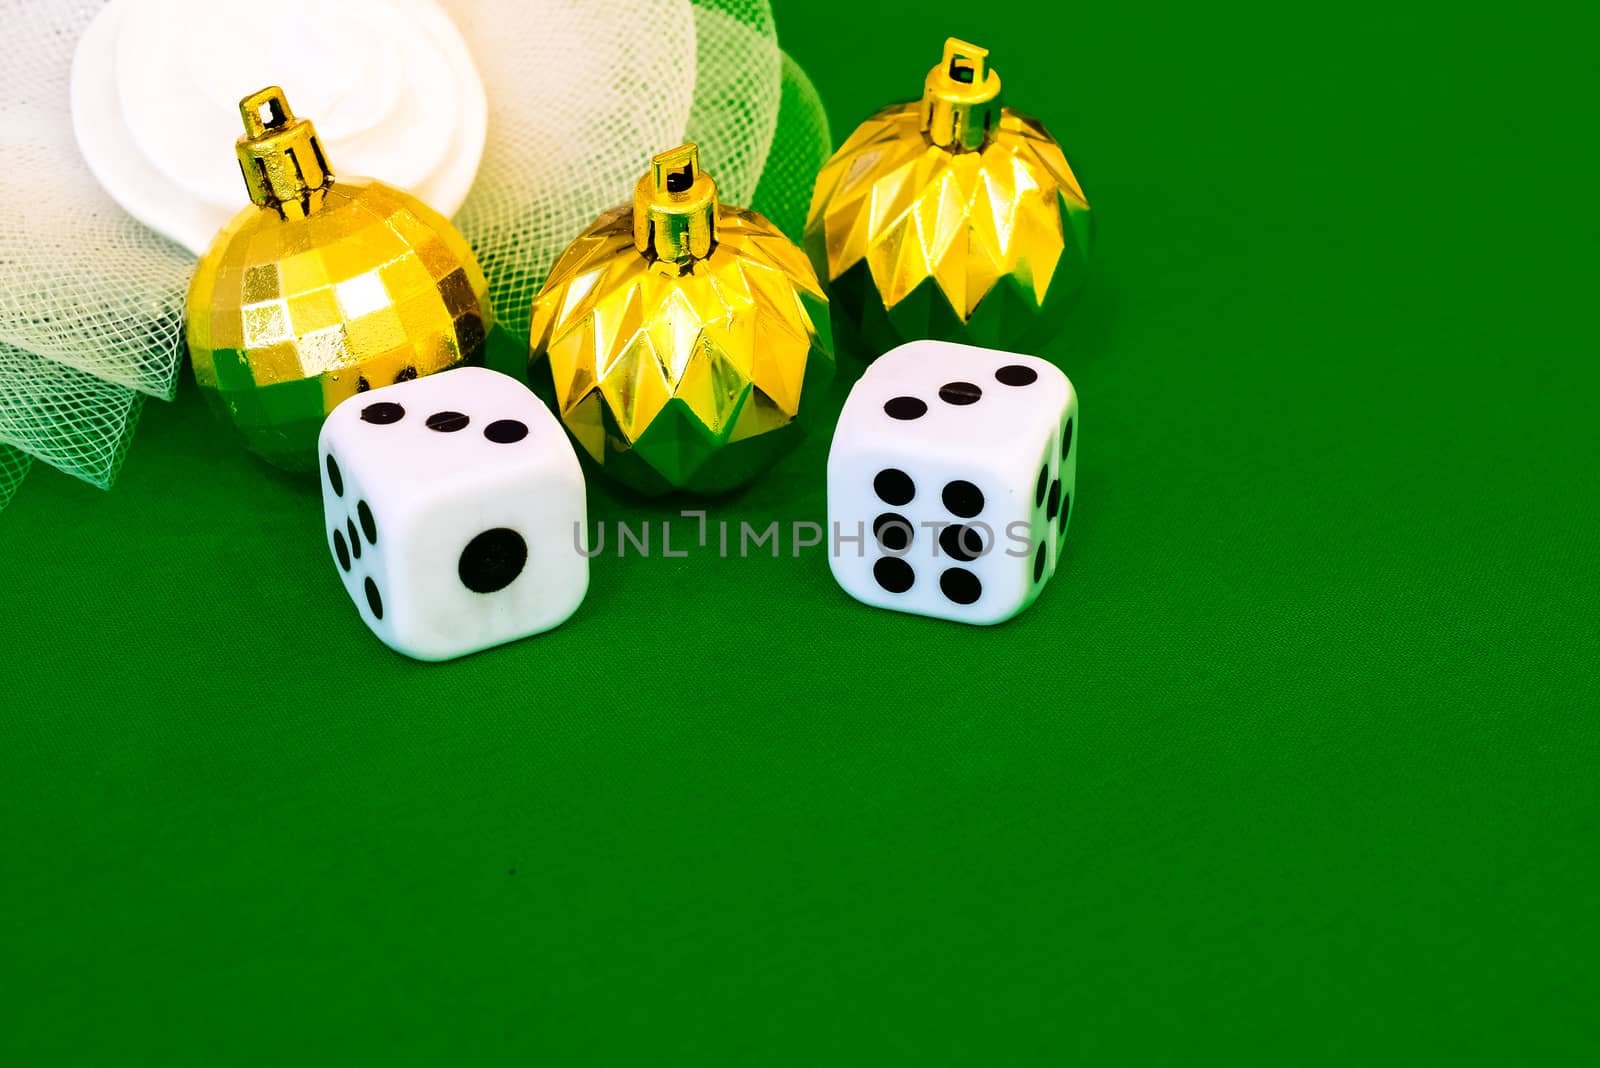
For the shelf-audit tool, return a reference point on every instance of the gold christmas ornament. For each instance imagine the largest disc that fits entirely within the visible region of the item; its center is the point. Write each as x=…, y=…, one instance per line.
x=951, y=217
x=323, y=288
x=688, y=341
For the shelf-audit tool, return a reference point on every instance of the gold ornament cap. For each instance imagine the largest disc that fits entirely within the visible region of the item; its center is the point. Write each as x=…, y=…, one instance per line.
x=675, y=208
x=961, y=98
x=279, y=155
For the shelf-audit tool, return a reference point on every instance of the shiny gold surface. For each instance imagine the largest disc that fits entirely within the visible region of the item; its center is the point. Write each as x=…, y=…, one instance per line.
x=960, y=98
x=917, y=215
x=279, y=155
x=670, y=367
x=675, y=208
x=314, y=293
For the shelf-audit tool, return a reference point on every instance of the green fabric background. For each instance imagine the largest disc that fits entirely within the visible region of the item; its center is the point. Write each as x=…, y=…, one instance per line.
x=1295, y=761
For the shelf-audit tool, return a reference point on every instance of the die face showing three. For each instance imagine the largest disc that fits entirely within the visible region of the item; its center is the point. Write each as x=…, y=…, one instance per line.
x=455, y=509
x=956, y=464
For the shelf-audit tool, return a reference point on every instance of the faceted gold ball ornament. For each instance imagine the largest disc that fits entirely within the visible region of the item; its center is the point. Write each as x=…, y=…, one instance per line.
x=688, y=341
x=951, y=217
x=321, y=289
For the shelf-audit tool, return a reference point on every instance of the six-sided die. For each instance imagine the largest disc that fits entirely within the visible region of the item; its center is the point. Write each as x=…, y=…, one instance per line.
x=950, y=481
x=455, y=512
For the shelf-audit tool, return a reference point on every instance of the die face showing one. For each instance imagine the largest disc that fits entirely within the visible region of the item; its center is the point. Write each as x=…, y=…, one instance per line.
x=490, y=567
x=455, y=508
x=956, y=464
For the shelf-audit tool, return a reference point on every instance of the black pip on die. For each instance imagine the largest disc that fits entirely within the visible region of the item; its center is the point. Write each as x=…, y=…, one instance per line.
x=955, y=465
x=454, y=505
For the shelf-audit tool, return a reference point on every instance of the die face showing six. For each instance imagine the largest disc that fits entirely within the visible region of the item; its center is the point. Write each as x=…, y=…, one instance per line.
x=454, y=505
x=956, y=464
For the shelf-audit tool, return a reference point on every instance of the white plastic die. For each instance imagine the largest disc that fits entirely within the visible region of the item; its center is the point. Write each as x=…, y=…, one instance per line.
x=455, y=512
x=950, y=481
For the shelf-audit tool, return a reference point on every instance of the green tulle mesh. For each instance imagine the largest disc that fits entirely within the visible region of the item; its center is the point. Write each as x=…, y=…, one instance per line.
x=13, y=465
x=800, y=147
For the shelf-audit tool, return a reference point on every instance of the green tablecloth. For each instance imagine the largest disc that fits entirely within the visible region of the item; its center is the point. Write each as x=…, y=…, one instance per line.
x=1294, y=762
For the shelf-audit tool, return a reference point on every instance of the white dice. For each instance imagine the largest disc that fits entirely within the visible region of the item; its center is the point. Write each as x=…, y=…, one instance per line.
x=950, y=481
x=455, y=512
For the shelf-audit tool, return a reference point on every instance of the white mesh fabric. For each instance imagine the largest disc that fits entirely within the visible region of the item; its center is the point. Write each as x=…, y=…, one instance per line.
x=738, y=86
x=81, y=282
x=65, y=417
x=91, y=302
x=580, y=96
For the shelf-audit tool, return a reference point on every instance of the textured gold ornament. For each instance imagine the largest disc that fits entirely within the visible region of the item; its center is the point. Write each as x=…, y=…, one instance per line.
x=688, y=341
x=951, y=217
x=322, y=288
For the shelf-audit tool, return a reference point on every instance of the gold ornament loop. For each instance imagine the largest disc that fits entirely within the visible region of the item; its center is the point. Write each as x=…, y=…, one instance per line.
x=961, y=98
x=280, y=156
x=675, y=208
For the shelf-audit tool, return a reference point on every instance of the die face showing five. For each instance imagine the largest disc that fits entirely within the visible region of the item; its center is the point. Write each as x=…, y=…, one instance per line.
x=956, y=464
x=454, y=508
